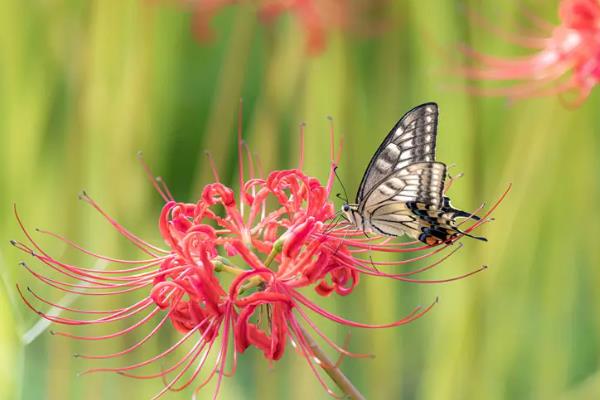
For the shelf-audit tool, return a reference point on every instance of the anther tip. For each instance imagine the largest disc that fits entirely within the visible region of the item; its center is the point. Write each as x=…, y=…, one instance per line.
x=29, y=289
x=22, y=264
x=139, y=154
x=437, y=300
x=13, y=242
x=51, y=332
x=76, y=355
x=330, y=118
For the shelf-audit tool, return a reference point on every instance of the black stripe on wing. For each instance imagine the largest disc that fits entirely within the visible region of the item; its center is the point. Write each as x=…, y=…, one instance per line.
x=411, y=140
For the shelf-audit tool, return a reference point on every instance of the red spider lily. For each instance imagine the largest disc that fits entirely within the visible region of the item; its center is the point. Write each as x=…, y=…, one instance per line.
x=279, y=236
x=568, y=57
x=316, y=17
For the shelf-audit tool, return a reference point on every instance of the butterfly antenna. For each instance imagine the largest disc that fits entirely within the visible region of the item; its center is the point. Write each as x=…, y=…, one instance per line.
x=373, y=264
x=333, y=223
x=341, y=184
x=338, y=247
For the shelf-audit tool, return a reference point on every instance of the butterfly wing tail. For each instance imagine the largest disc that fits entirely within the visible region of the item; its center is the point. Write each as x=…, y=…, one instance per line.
x=461, y=214
x=483, y=239
x=456, y=213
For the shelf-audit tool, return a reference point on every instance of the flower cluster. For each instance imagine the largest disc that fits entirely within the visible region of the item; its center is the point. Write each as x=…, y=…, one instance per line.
x=232, y=272
x=568, y=56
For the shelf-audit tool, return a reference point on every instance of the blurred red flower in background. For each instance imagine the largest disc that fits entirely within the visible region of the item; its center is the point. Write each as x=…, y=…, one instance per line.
x=231, y=272
x=317, y=18
x=568, y=58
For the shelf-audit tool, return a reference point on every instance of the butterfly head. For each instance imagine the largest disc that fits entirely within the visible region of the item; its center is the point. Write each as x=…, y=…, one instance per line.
x=350, y=212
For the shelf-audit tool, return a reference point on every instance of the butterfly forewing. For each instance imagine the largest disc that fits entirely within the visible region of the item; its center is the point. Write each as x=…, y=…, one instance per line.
x=391, y=205
x=412, y=140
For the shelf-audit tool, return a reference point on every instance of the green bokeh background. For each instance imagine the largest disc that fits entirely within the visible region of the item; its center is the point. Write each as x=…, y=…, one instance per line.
x=84, y=85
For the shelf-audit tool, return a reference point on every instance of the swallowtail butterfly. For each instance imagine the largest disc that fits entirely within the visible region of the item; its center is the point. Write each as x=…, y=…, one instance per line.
x=402, y=190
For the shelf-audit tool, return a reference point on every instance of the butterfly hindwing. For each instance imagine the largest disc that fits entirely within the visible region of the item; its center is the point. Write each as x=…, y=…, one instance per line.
x=394, y=219
x=421, y=183
x=404, y=197
x=412, y=140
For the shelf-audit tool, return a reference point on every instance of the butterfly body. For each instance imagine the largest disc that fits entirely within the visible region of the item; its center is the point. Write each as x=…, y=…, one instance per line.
x=402, y=190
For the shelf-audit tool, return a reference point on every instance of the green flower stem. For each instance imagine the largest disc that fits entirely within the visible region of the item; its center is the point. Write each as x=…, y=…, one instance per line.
x=252, y=282
x=277, y=247
x=224, y=265
x=257, y=280
x=331, y=369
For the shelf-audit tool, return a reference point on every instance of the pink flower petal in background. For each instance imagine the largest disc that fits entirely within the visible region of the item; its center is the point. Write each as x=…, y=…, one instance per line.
x=567, y=59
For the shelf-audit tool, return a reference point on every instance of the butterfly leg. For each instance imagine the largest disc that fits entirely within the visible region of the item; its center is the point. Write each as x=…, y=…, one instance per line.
x=451, y=179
